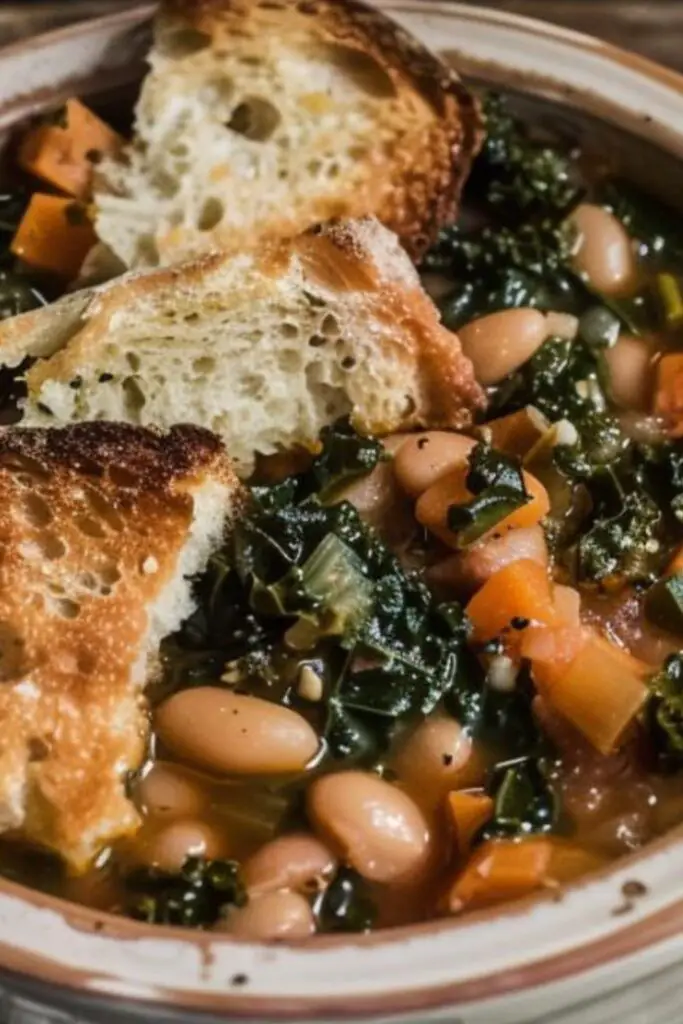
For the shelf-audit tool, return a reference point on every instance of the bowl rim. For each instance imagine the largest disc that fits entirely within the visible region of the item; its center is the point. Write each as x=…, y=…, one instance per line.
x=632, y=936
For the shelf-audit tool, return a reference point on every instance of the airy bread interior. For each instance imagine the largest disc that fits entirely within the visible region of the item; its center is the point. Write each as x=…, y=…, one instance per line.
x=260, y=119
x=263, y=349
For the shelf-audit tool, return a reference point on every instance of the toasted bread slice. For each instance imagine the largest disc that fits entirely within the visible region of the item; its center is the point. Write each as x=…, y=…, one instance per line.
x=264, y=349
x=258, y=120
x=101, y=526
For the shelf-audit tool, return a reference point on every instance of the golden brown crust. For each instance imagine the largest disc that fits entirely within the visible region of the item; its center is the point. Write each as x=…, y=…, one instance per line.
x=342, y=257
x=92, y=522
x=430, y=162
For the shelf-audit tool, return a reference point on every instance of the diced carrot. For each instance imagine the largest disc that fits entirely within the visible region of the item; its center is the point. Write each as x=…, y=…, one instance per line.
x=501, y=870
x=432, y=508
x=468, y=812
x=559, y=643
x=64, y=155
x=518, y=432
x=521, y=591
x=570, y=861
x=676, y=564
x=54, y=235
x=467, y=570
x=600, y=691
x=669, y=392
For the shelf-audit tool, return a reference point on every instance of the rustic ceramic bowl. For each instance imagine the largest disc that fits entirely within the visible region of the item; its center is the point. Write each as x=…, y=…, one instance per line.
x=611, y=948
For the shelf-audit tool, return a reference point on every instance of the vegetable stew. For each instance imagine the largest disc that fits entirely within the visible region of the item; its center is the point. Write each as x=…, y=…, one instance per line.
x=431, y=672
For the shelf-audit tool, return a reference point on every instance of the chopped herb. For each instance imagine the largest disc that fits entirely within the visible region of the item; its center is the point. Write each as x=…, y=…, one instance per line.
x=194, y=898
x=664, y=714
x=345, y=905
x=497, y=484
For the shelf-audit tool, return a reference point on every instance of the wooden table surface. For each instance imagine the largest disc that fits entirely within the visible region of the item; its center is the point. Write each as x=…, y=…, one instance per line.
x=654, y=27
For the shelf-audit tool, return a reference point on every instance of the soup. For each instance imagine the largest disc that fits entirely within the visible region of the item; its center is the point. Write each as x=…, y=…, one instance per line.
x=435, y=672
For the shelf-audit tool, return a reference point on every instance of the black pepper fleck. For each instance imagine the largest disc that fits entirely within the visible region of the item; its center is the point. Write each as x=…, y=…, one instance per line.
x=104, y=378
x=422, y=443
x=239, y=979
x=447, y=759
x=519, y=622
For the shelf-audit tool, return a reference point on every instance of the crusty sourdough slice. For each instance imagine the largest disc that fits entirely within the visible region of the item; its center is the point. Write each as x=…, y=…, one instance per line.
x=259, y=119
x=265, y=349
x=101, y=528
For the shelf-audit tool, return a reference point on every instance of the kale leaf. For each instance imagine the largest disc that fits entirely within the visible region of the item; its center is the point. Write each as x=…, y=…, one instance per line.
x=664, y=714
x=345, y=905
x=194, y=898
x=525, y=802
x=518, y=175
x=18, y=291
x=655, y=226
x=497, y=484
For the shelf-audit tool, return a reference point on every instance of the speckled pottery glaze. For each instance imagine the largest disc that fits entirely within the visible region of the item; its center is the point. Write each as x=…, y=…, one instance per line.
x=596, y=955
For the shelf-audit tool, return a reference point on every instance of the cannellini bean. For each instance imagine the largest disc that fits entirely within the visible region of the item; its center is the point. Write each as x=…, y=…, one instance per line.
x=233, y=734
x=169, y=847
x=604, y=251
x=468, y=570
x=562, y=325
x=435, y=758
x=299, y=861
x=170, y=791
x=432, y=508
x=500, y=343
x=272, y=916
x=423, y=458
x=379, y=500
x=631, y=373
x=373, y=825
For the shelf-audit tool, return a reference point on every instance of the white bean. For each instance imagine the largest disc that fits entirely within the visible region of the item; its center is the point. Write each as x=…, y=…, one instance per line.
x=169, y=847
x=234, y=734
x=500, y=343
x=270, y=917
x=299, y=861
x=468, y=570
x=170, y=791
x=424, y=458
x=604, y=251
x=373, y=825
x=631, y=374
x=431, y=760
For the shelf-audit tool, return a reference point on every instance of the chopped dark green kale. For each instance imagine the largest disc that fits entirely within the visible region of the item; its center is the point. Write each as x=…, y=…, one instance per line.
x=520, y=176
x=19, y=292
x=497, y=484
x=194, y=898
x=664, y=714
x=304, y=580
x=525, y=802
x=646, y=219
x=503, y=721
x=345, y=905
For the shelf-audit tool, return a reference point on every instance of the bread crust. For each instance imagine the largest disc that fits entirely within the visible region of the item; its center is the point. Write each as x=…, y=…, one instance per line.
x=415, y=188
x=92, y=522
x=357, y=263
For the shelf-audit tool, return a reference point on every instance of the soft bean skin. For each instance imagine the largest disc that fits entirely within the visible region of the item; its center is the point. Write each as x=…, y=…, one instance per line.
x=170, y=791
x=373, y=825
x=631, y=373
x=298, y=861
x=169, y=847
x=425, y=457
x=500, y=343
x=604, y=253
x=233, y=734
x=436, y=757
x=270, y=917
x=466, y=571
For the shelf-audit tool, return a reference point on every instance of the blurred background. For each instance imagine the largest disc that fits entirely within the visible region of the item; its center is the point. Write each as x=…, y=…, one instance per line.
x=653, y=27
